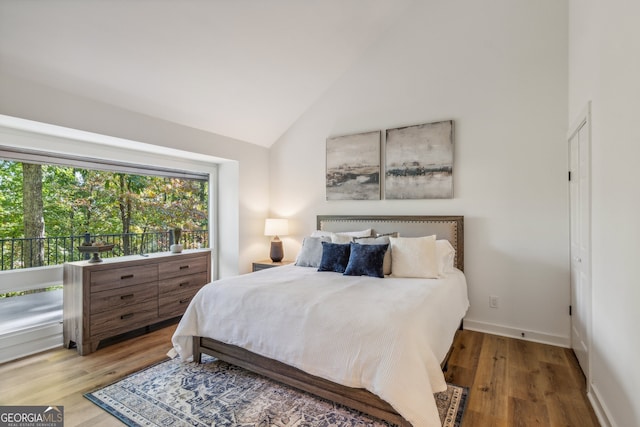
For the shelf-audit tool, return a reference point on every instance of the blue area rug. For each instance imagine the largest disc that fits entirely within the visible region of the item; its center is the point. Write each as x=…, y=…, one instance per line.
x=214, y=393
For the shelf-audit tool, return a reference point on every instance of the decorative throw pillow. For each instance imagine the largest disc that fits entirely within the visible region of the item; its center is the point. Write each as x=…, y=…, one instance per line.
x=311, y=252
x=341, y=238
x=381, y=240
x=392, y=234
x=363, y=233
x=366, y=260
x=322, y=233
x=335, y=257
x=414, y=257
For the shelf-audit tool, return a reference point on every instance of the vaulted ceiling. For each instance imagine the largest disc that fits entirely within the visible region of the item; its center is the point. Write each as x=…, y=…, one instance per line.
x=246, y=69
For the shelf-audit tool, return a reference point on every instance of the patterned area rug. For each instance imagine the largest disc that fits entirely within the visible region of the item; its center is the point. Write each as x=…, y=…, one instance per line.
x=173, y=393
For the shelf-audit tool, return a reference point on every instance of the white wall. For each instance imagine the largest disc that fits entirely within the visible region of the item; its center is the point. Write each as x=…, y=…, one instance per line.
x=604, y=68
x=499, y=70
x=242, y=175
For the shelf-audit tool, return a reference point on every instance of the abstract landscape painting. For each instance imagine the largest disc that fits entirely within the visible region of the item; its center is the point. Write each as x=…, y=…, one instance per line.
x=353, y=167
x=419, y=162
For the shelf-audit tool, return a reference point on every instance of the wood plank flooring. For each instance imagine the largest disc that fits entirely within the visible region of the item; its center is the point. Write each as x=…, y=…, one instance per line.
x=511, y=382
x=516, y=383
x=61, y=376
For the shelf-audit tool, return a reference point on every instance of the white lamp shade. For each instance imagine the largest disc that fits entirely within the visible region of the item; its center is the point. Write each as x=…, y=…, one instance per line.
x=276, y=227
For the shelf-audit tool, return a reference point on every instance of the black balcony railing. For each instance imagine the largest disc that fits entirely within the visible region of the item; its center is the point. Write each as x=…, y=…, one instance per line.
x=44, y=251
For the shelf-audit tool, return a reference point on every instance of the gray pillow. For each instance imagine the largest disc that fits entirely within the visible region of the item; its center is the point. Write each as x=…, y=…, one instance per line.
x=311, y=251
x=381, y=240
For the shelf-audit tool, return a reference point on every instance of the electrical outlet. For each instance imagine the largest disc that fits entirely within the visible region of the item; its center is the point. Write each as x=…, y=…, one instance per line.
x=493, y=301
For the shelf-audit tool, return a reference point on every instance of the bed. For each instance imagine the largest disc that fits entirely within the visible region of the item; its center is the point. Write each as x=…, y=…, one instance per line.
x=342, y=338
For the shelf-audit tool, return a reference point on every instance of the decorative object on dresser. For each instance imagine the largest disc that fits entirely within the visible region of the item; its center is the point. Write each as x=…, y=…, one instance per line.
x=123, y=294
x=276, y=227
x=353, y=167
x=419, y=162
x=267, y=263
x=95, y=249
x=176, y=247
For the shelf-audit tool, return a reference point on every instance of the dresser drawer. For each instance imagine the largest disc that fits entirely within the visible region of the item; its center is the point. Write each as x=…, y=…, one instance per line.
x=182, y=283
x=123, y=297
x=124, y=276
x=122, y=319
x=181, y=267
x=175, y=303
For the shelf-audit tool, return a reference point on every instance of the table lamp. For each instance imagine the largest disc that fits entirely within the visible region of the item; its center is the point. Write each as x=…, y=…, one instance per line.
x=276, y=227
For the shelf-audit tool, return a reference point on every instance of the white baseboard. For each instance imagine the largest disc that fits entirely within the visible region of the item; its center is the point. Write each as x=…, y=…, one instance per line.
x=30, y=341
x=602, y=413
x=523, y=334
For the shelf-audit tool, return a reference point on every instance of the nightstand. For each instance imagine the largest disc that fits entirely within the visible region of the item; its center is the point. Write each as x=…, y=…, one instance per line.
x=267, y=263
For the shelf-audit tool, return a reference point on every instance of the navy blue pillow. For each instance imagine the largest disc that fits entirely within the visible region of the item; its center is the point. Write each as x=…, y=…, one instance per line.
x=335, y=257
x=366, y=260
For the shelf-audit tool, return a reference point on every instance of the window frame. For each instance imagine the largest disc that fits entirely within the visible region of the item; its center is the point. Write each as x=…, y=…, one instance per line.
x=27, y=135
x=57, y=145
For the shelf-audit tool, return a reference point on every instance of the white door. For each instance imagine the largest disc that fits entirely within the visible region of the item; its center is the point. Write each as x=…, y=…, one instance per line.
x=580, y=208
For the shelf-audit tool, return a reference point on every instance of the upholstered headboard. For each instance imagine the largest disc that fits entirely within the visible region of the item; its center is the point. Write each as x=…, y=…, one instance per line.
x=448, y=227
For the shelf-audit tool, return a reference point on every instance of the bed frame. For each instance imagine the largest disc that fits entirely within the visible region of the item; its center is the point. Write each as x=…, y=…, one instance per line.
x=444, y=227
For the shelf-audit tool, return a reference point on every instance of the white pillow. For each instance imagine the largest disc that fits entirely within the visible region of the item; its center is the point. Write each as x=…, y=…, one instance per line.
x=446, y=257
x=341, y=238
x=322, y=233
x=414, y=257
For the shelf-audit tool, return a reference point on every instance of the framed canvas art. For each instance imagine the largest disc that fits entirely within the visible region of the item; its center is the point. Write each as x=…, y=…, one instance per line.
x=353, y=167
x=419, y=161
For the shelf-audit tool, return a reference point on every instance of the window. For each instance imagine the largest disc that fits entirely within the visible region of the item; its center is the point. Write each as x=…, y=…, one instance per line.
x=48, y=209
x=132, y=206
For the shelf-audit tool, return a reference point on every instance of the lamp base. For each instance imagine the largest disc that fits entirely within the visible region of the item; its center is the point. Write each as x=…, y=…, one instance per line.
x=277, y=253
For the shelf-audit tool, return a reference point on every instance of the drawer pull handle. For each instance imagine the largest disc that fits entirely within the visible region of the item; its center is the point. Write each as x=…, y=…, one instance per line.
x=128, y=276
x=126, y=316
x=184, y=300
x=184, y=284
x=184, y=267
x=126, y=296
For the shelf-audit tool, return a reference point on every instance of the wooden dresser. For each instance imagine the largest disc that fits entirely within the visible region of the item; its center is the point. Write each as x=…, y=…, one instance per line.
x=122, y=294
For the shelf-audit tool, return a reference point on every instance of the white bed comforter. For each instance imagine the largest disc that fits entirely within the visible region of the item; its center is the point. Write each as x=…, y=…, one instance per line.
x=385, y=335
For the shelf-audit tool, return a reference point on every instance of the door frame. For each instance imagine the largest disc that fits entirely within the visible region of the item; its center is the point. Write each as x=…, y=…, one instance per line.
x=583, y=120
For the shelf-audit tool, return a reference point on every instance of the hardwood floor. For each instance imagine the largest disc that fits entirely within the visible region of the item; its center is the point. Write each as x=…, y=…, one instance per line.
x=61, y=377
x=511, y=382
x=518, y=383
